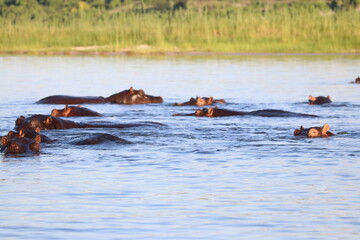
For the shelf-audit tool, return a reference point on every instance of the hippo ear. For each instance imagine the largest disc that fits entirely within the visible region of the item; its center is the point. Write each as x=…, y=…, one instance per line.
x=38, y=139
x=37, y=130
x=141, y=92
x=301, y=128
x=328, y=97
x=211, y=99
x=11, y=134
x=4, y=141
x=19, y=120
x=48, y=120
x=21, y=133
x=131, y=90
x=311, y=98
x=67, y=112
x=297, y=132
x=66, y=107
x=325, y=129
x=210, y=112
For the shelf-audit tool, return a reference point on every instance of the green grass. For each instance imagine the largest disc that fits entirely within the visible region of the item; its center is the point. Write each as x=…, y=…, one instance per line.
x=285, y=30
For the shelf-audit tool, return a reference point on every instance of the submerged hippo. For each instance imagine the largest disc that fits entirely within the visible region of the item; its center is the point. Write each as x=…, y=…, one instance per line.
x=74, y=111
x=46, y=122
x=199, y=101
x=217, y=112
x=319, y=100
x=357, y=81
x=314, y=132
x=20, y=145
x=130, y=96
x=98, y=138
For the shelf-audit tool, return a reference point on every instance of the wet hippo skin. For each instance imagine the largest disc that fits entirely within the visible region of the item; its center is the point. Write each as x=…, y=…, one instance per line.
x=314, y=132
x=130, y=96
x=19, y=145
x=217, y=112
x=200, y=101
x=319, y=100
x=46, y=122
x=74, y=111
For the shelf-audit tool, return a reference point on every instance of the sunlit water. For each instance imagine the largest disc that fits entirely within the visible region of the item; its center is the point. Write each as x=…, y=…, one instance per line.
x=195, y=178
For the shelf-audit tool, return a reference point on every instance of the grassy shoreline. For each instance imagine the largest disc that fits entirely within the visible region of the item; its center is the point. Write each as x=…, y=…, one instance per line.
x=285, y=30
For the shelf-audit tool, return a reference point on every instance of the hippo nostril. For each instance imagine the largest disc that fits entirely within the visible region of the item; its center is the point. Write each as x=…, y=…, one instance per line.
x=14, y=147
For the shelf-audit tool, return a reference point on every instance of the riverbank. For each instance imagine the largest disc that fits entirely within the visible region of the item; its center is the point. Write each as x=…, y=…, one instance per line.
x=285, y=30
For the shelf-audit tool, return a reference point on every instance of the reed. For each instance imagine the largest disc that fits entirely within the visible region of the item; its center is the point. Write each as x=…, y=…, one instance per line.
x=284, y=30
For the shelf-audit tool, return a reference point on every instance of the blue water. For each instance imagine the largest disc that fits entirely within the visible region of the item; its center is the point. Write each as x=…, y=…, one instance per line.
x=195, y=178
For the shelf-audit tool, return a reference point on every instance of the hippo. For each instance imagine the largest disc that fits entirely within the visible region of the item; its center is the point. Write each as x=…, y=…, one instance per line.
x=217, y=112
x=46, y=122
x=74, y=111
x=357, y=81
x=19, y=145
x=29, y=133
x=199, y=101
x=319, y=100
x=98, y=138
x=130, y=96
x=314, y=132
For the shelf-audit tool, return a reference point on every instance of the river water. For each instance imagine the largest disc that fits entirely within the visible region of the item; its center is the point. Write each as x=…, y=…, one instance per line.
x=195, y=178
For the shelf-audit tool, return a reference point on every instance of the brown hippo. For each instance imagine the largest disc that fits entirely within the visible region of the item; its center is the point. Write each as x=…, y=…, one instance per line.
x=46, y=122
x=29, y=133
x=130, y=96
x=217, y=112
x=74, y=111
x=357, y=81
x=20, y=145
x=319, y=100
x=199, y=101
x=314, y=132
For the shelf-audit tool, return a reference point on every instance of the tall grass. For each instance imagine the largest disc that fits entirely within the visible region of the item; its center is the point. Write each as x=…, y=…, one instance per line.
x=290, y=30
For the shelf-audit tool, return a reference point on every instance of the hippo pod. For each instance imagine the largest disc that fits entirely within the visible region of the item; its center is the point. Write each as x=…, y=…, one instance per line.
x=319, y=100
x=46, y=122
x=314, y=132
x=130, y=96
x=199, y=101
x=217, y=112
x=19, y=145
x=74, y=111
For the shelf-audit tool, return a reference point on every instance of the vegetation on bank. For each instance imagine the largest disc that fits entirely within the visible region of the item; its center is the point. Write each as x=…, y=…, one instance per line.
x=282, y=26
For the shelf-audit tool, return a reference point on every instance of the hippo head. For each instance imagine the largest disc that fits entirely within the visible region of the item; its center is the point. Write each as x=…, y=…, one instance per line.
x=319, y=100
x=28, y=133
x=314, y=132
x=204, y=112
x=133, y=96
x=204, y=101
x=34, y=122
x=20, y=144
x=61, y=112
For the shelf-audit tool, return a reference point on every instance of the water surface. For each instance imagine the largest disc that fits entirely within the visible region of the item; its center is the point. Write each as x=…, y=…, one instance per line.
x=195, y=178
